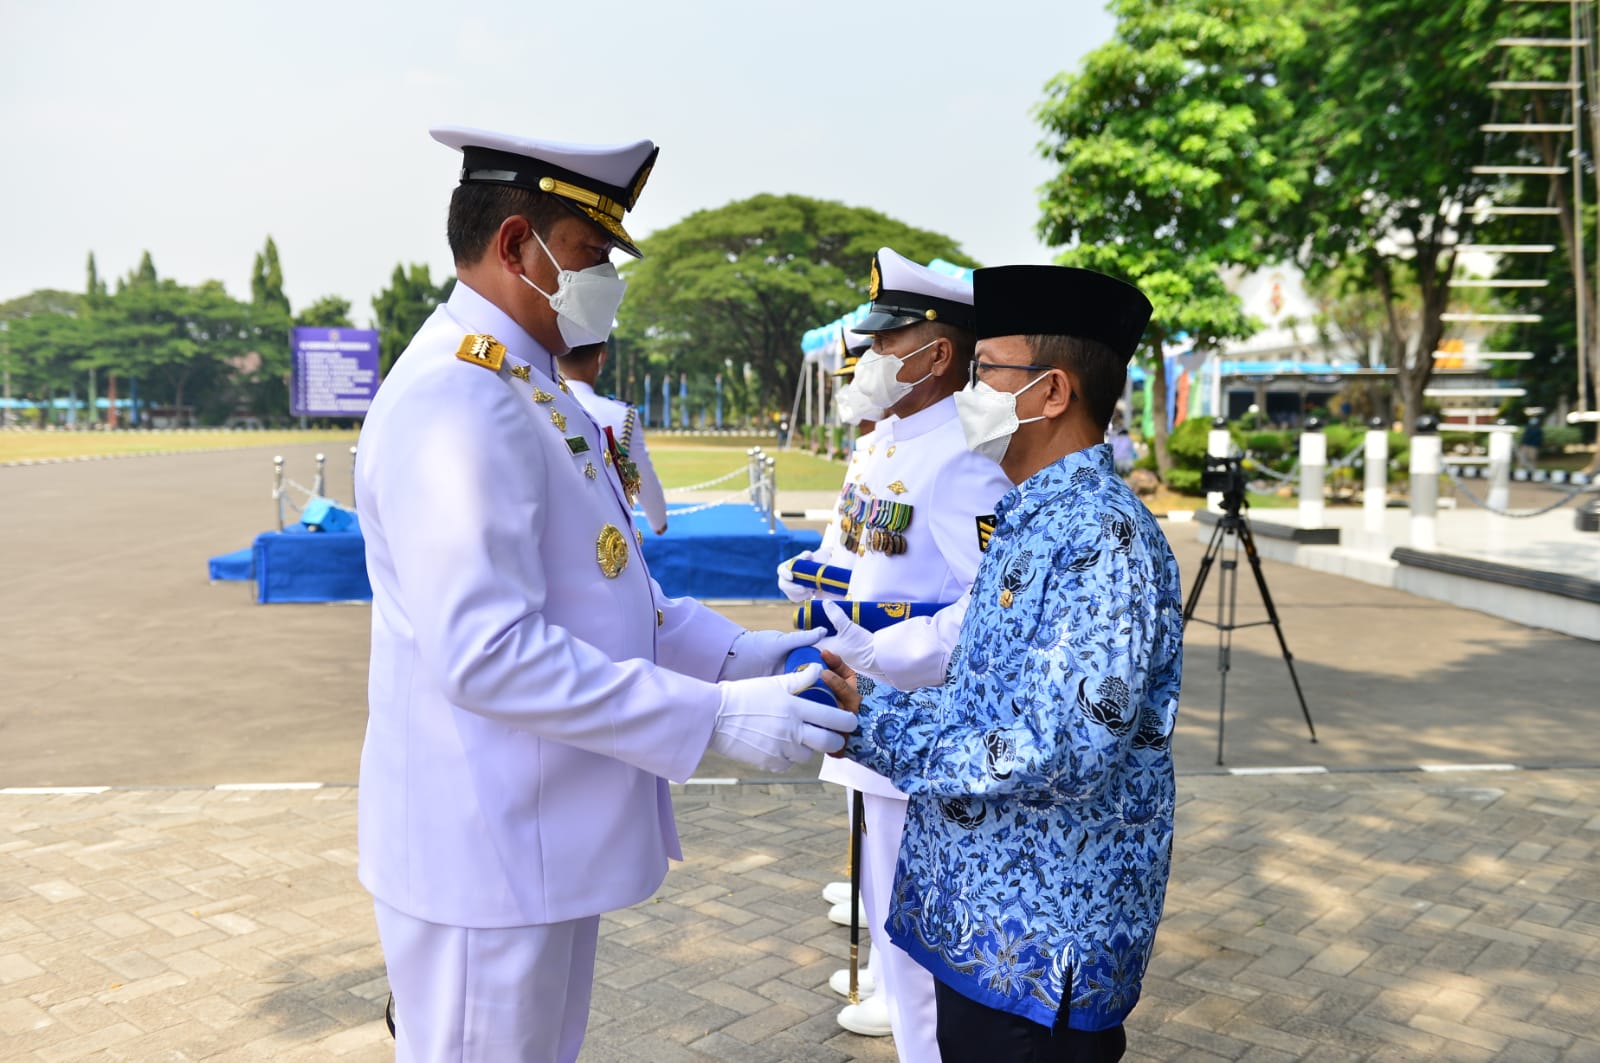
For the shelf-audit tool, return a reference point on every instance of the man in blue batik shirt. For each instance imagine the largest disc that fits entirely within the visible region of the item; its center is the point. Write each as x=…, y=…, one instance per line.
x=1039, y=836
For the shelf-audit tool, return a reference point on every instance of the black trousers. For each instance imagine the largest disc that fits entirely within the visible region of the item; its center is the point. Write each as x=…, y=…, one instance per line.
x=970, y=1032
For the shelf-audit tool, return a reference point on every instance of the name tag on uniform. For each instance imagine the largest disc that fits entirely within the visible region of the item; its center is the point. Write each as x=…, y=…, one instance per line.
x=577, y=444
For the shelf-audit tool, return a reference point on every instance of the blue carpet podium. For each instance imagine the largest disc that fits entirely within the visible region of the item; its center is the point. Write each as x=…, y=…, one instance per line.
x=719, y=552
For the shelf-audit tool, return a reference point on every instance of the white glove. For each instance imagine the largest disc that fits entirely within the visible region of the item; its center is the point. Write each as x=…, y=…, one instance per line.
x=852, y=642
x=756, y=653
x=761, y=722
x=793, y=591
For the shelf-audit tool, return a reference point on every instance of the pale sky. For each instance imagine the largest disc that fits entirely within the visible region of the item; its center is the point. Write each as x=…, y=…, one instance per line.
x=195, y=128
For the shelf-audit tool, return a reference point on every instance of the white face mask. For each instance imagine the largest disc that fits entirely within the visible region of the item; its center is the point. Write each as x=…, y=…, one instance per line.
x=853, y=406
x=585, y=301
x=878, y=376
x=989, y=417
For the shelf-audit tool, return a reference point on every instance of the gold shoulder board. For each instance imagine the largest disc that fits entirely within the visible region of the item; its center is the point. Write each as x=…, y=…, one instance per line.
x=481, y=349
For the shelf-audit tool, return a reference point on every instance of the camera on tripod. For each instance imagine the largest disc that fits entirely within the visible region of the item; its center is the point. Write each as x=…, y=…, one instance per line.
x=1224, y=476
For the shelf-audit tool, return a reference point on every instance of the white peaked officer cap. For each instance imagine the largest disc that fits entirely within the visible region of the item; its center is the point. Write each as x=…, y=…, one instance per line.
x=904, y=293
x=601, y=182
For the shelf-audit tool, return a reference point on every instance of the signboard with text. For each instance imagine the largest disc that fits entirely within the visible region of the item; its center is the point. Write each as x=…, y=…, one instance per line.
x=334, y=371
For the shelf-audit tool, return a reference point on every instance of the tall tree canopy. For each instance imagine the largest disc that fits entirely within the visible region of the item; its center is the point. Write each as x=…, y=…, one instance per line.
x=1167, y=174
x=403, y=306
x=1388, y=97
x=740, y=285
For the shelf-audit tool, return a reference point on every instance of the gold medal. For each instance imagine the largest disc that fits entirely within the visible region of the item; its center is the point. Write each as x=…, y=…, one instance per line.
x=611, y=550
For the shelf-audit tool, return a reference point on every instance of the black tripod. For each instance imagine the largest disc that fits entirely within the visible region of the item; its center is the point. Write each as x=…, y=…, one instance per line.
x=1235, y=526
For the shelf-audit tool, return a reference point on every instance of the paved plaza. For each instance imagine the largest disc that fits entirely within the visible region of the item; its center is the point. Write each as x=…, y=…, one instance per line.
x=1332, y=901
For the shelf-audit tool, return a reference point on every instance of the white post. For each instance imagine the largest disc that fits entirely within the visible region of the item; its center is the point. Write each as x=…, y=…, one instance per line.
x=1500, y=466
x=1425, y=453
x=277, y=487
x=318, y=486
x=1218, y=445
x=1375, y=495
x=1313, y=465
x=352, y=477
x=772, y=495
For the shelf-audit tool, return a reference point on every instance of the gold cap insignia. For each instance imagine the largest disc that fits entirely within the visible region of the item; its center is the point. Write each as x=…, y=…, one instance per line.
x=874, y=282
x=931, y=314
x=611, y=550
x=481, y=349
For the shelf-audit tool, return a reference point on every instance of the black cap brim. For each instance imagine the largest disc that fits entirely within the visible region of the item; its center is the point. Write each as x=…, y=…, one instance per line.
x=881, y=321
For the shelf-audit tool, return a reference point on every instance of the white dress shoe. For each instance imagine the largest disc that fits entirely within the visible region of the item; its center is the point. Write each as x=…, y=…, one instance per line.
x=839, y=982
x=840, y=913
x=870, y=1018
x=836, y=893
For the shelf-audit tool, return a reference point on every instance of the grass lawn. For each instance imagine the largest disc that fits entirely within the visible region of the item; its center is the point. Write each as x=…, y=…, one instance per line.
x=26, y=444
x=680, y=463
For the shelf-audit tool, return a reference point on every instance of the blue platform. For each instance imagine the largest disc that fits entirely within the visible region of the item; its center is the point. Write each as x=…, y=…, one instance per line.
x=725, y=551
x=721, y=552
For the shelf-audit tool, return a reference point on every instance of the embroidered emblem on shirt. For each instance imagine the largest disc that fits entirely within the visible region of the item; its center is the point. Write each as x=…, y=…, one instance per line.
x=482, y=349
x=611, y=550
x=588, y=469
x=541, y=395
x=558, y=419
x=898, y=487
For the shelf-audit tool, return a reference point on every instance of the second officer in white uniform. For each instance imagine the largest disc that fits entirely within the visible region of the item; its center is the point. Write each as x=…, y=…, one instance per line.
x=582, y=366
x=914, y=526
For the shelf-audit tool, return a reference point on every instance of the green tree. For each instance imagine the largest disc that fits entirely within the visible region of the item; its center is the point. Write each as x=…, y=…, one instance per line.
x=1167, y=174
x=266, y=280
x=1394, y=130
x=403, y=306
x=741, y=284
x=330, y=311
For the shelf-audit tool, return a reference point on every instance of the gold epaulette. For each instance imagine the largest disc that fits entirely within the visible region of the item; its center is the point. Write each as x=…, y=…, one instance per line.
x=482, y=349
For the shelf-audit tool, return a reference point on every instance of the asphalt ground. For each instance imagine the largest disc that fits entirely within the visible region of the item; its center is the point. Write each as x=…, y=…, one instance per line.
x=1369, y=912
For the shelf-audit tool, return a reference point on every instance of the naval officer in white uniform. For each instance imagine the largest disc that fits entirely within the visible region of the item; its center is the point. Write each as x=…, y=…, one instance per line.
x=915, y=525
x=531, y=688
x=582, y=366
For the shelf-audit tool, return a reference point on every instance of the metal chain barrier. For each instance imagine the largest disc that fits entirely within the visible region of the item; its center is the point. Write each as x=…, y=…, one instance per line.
x=1293, y=475
x=743, y=492
x=740, y=471
x=1571, y=495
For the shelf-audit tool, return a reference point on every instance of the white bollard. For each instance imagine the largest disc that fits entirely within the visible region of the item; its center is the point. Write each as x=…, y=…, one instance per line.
x=1219, y=444
x=772, y=495
x=1500, y=466
x=1313, y=468
x=319, y=485
x=1375, y=492
x=352, y=477
x=1425, y=454
x=277, y=487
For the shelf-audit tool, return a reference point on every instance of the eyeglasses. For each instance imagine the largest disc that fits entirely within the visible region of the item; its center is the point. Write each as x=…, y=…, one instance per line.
x=977, y=368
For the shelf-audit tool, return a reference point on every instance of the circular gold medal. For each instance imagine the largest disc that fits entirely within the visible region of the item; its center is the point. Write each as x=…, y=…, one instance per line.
x=611, y=550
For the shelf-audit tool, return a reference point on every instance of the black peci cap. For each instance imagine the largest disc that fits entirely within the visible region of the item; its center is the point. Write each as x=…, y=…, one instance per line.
x=1060, y=301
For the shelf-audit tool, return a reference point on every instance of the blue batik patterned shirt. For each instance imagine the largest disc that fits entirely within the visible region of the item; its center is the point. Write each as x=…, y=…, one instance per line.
x=1039, y=833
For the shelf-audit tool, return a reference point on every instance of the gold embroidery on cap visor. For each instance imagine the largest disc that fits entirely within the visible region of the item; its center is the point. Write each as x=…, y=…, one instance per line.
x=611, y=550
x=602, y=210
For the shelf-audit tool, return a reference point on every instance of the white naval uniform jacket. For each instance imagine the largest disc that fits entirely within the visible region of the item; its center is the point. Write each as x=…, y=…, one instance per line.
x=921, y=460
x=524, y=707
x=609, y=413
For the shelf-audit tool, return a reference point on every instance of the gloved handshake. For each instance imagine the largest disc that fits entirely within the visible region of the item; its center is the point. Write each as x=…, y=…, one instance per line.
x=761, y=721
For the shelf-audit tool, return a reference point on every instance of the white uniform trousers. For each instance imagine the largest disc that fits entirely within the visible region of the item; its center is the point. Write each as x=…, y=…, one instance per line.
x=907, y=985
x=471, y=995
